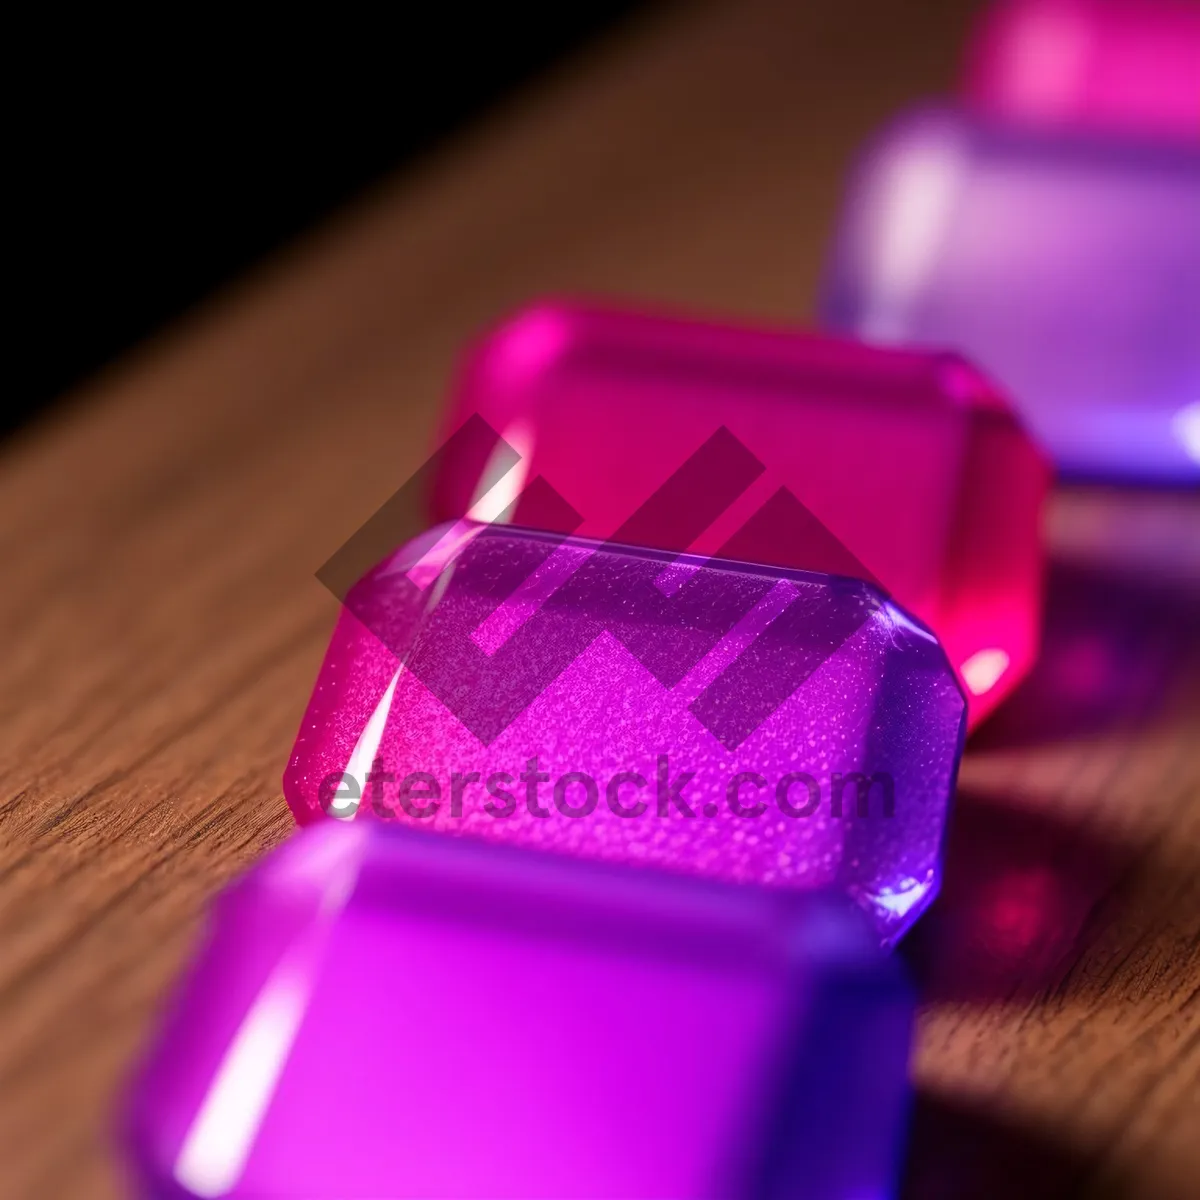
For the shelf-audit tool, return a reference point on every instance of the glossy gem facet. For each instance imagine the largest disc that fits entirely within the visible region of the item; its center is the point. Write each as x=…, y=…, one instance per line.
x=908, y=469
x=742, y=722
x=1120, y=66
x=1067, y=267
x=377, y=1012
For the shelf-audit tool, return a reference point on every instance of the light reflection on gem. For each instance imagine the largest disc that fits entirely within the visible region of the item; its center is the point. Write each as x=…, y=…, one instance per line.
x=982, y=671
x=497, y=500
x=923, y=184
x=362, y=758
x=1186, y=426
x=221, y=1138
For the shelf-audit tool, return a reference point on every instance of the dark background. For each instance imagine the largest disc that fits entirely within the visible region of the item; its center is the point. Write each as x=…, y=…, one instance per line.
x=154, y=159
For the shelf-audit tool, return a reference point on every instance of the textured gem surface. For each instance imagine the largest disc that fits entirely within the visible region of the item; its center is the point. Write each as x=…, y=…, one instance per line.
x=1127, y=66
x=774, y=726
x=907, y=468
x=1069, y=268
x=378, y=1012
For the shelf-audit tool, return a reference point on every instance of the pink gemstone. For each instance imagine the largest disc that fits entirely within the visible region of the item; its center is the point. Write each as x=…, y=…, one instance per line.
x=909, y=468
x=745, y=723
x=1121, y=65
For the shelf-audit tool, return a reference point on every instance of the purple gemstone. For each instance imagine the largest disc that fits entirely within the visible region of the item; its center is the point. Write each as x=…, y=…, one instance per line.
x=1067, y=266
x=378, y=1012
x=746, y=723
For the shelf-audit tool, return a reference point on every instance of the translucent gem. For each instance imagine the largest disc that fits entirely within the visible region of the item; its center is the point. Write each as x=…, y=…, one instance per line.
x=901, y=468
x=380, y=1013
x=1068, y=267
x=747, y=723
x=1123, y=66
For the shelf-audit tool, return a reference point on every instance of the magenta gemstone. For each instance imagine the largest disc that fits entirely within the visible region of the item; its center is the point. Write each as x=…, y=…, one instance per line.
x=379, y=1013
x=1125, y=66
x=742, y=722
x=1067, y=266
x=903, y=468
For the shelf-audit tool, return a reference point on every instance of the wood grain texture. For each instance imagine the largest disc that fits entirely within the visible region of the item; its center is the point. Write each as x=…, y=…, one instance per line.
x=163, y=626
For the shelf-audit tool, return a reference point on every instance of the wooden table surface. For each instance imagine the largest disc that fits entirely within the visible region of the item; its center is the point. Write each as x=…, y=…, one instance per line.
x=163, y=624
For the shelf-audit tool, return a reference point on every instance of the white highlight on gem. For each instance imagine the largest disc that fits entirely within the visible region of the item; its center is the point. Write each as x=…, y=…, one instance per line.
x=912, y=205
x=494, y=504
x=432, y=564
x=982, y=671
x=219, y=1143
x=497, y=501
x=362, y=757
x=900, y=902
x=900, y=618
x=220, y=1140
x=1186, y=427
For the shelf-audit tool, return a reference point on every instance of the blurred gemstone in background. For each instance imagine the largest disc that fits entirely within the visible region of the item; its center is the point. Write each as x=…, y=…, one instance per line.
x=379, y=1012
x=1122, y=66
x=1065, y=265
